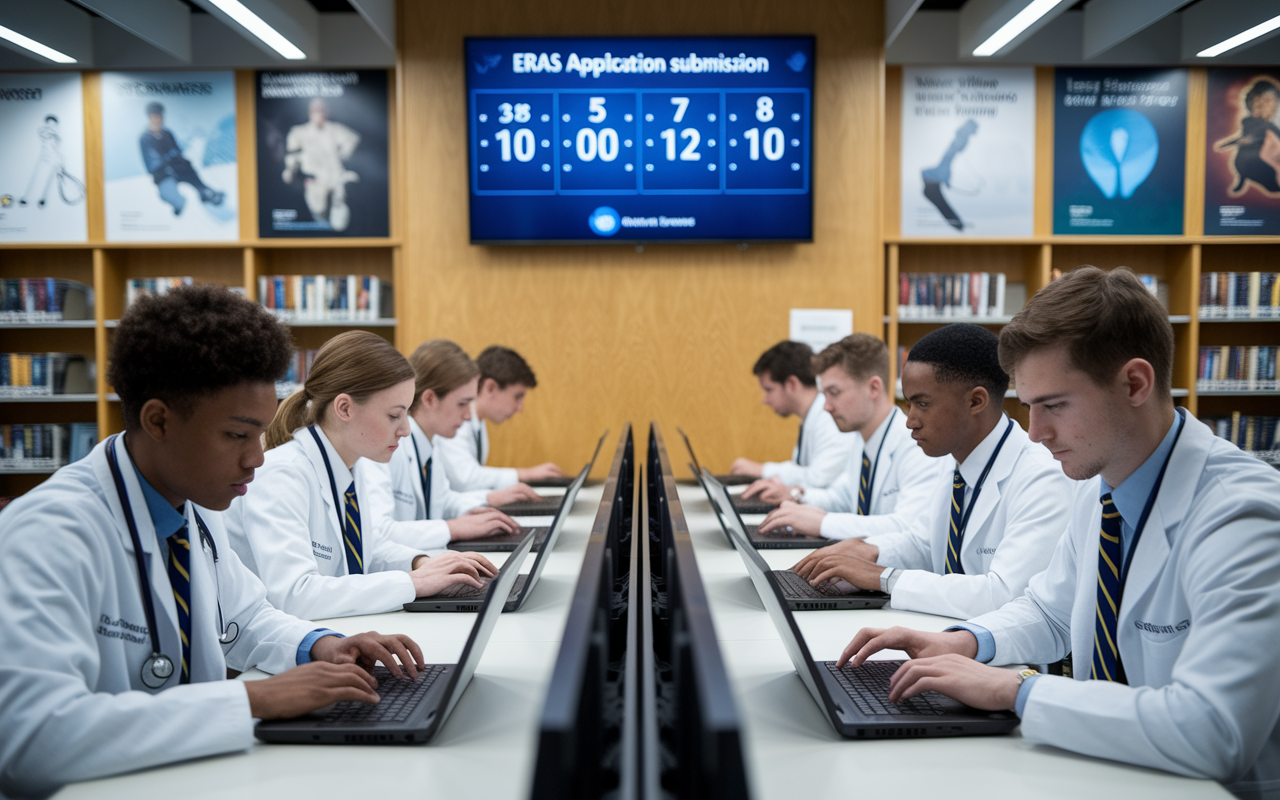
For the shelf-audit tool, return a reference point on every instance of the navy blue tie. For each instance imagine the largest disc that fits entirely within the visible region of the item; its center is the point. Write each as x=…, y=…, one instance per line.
x=351, y=536
x=1106, y=650
x=179, y=568
x=864, y=495
x=954, y=539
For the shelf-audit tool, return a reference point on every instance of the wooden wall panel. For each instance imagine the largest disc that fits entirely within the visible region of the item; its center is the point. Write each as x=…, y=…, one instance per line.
x=615, y=333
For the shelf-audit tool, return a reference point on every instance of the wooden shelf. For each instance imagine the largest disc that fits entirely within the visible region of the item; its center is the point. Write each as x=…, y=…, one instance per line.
x=53, y=398
x=65, y=324
x=39, y=471
x=1238, y=393
x=342, y=323
x=1085, y=239
x=230, y=245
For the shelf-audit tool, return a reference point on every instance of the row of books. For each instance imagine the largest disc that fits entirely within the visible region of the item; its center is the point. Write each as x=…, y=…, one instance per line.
x=299, y=368
x=1253, y=434
x=27, y=300
x=1251, y=368
x=136, y=287
x=46, y=445
x=951, y=294
x=44, y=374
x=326, y=297
x=1239, y=295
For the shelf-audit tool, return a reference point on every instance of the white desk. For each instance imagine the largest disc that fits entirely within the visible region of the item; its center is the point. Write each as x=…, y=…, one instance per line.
x=486, y=747
x=792, y=751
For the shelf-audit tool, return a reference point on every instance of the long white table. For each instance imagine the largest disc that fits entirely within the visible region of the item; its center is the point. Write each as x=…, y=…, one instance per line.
x=485, y=749
x=792, y=751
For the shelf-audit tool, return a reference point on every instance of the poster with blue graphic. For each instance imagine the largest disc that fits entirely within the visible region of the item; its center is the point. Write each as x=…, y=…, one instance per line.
x=1119, y=151
x=169, y=156
x=1242, y=162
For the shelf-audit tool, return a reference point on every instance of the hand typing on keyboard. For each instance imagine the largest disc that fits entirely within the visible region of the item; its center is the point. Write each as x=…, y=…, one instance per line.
x=802, y=519
x=828, y=563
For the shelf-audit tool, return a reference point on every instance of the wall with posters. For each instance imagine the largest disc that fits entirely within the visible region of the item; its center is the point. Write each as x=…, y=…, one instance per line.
x=1119, y=152
x=42, y=171
x=169, y=156
x=322, y=153
x=1242, y=158
x=968, y=151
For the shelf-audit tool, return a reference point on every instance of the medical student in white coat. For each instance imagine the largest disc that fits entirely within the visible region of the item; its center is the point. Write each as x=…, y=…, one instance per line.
x=993, y=519
x=123, y=604
x=307, y=532
x=785, y=374
x=415, y=503
x=1165, y=589
x=505, y=379
x=888, y=480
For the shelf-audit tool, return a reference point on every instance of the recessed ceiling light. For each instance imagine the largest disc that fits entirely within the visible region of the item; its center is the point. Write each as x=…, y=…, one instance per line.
x=1240, y=38
x=34, y=46
x=1010, y=30
x=254, y=24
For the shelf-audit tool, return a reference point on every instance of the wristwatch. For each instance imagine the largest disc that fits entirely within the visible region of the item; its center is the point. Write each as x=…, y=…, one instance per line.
x=796, y=493
x=1023, y=674
x=885, y=577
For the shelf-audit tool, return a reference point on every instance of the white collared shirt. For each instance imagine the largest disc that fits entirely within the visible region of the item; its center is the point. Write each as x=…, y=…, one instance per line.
x=822, y=448
x=467, y=452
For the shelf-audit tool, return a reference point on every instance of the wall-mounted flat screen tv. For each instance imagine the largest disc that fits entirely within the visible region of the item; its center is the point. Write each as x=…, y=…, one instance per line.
x=683, y=139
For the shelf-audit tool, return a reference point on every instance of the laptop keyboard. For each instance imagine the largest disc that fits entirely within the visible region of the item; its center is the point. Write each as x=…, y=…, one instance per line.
x=796, y=586
x=868, y=687
x=400, y=696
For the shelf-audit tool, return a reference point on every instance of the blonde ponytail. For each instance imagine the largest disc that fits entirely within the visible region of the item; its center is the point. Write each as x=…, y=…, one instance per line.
x=355, y=363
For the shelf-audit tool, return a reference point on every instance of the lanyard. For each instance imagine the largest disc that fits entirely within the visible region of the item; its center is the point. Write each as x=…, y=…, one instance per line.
x=333, y=485
x=1146, y=511
x=479, y=441
x=977, y=489
x=871, y=480
x=422, y=476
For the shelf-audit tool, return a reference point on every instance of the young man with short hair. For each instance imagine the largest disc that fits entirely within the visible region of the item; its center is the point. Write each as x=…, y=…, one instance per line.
x=786, y=377
x=122, y=599
x=1164, y=588
x=505, y=379
x=994, y=518
x=888, y=478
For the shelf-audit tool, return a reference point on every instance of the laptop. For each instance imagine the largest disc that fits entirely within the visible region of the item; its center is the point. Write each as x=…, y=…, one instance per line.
x=411, y=711
x=547, y=505
x=856, y=699
x=744, y=506
x=831, y=595
x=461, y=597
x=778, y=539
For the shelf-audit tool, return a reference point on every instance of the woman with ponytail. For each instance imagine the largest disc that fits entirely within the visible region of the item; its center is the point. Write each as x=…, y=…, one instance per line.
x=301, y=529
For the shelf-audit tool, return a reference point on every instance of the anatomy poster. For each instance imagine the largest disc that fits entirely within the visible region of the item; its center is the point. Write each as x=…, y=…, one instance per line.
x=42, y=171
x=169, y=156
x=1119, y=151
x=322, y=154
x=1242, y=165
x=968, y=151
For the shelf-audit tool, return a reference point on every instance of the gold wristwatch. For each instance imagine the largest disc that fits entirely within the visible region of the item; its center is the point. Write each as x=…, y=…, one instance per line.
x=1023, y=674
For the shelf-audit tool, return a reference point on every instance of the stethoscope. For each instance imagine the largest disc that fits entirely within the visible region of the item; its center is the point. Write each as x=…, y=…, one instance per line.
x=158, y=668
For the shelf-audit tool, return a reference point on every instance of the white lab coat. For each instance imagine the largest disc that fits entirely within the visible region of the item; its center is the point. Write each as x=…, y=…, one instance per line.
x=1199, y=627
x=823, y=449
x=904, y=482
x=406, y=519
x=286, y=530
x=74, y=636
x=466, y=454
x=1018, y=518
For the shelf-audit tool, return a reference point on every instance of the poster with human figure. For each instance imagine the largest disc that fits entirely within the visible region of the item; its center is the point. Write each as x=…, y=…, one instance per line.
x=42, y=172
x=968, y=151
x=169, y=156
x=322, y=154
x=1242, y=162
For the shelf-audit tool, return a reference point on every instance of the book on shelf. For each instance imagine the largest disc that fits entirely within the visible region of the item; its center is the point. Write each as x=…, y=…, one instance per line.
x=1247, y=368
x=136, y=287
x=1256, y=435
x=326, y=297
x=1240, y=295
x=299, y=368
x=27, y=300
x=39, y=446
x=951, y=294
x=44, y=374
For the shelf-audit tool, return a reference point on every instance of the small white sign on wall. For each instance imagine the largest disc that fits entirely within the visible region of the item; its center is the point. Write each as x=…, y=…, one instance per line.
x=819, y=327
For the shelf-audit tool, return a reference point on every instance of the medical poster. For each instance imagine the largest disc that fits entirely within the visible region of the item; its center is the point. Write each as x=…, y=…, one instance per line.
x=169, y=156
x=968, y=151
x=322, y=154
x=42, y=169
x=1242, y=165
x=1119, y=151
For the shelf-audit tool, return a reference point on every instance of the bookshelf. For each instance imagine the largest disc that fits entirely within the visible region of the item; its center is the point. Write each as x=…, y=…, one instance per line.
x=107, y=266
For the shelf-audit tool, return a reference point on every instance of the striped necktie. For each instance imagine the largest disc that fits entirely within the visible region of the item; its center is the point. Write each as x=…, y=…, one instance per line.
x=864, y=496
x=480, y=442
x=1106, y=651
x=426, y=486
x=179, y=568
x=355, y=547
x=954, y=540
x=800, y=459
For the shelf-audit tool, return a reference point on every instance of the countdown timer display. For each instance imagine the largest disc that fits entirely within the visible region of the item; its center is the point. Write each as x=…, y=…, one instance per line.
x=640, y=139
